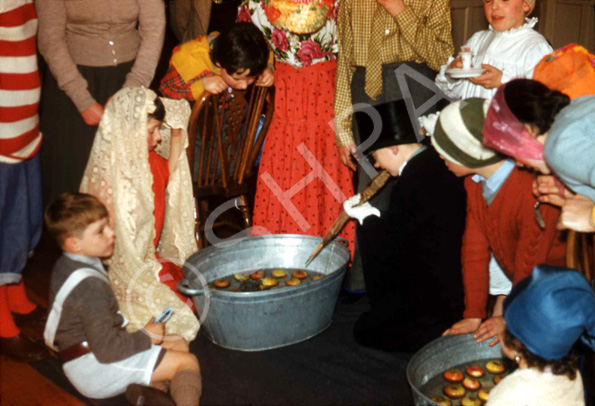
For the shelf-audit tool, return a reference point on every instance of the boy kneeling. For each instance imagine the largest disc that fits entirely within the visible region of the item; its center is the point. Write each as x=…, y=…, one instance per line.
x=100, y=358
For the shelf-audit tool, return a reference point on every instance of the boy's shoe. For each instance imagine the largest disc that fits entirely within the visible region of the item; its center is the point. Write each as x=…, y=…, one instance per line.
x=140, y=395
x=20, y=348
x=37, y=318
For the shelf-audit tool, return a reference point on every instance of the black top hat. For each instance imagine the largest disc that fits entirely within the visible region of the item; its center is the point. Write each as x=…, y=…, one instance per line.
x=395, y=125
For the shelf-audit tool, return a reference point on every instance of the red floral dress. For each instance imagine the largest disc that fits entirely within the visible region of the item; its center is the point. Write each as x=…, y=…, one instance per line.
x=301, y=182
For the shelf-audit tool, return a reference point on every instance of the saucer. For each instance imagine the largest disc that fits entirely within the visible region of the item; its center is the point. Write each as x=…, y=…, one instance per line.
x=465, y=73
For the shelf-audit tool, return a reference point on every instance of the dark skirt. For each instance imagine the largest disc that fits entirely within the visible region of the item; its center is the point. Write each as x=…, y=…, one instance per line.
x=21, y=216
x=67, y=140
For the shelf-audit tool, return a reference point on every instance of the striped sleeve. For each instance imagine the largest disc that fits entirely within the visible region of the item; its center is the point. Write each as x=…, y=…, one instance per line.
x=20, y=86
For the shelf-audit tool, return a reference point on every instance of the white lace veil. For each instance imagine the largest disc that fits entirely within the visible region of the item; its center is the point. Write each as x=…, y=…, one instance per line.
x=118, y=173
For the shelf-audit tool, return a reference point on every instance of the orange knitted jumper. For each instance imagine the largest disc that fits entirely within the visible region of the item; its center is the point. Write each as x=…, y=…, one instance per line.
x=509, y=230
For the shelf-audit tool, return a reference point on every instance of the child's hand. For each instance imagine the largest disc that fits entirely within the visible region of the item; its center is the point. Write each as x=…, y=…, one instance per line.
x=464, y=326
x=156, y=331
x=548, y=189
x=266, y=78
x=457, y=63
x=92, y=115
x=577, y=214
x=214, y=84
x=392, y=7
x=491, y=79
x=490, y=328
x=345, y=153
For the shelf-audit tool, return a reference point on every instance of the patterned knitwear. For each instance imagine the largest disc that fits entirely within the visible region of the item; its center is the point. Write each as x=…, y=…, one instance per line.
x=509, y=230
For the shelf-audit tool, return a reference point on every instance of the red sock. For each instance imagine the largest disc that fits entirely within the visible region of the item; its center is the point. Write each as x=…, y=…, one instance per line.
x=18, y=300
x=7, y=326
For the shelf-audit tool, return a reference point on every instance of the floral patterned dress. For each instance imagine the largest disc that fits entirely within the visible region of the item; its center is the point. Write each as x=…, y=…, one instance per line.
x=301, y=182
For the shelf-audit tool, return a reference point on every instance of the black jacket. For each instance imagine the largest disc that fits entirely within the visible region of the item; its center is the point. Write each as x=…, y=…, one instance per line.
x=411, y=258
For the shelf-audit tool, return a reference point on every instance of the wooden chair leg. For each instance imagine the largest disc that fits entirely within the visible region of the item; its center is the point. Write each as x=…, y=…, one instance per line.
x=202, y=210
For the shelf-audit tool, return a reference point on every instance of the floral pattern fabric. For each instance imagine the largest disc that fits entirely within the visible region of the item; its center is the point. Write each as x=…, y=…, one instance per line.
x=298, y=50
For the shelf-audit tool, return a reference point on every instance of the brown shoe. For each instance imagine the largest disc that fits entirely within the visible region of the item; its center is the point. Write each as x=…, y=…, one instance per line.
x=22, y=349
x=37, y=318
x=139, y=395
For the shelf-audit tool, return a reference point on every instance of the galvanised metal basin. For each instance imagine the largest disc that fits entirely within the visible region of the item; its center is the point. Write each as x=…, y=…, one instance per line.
x=442, y=354
x=255, y=321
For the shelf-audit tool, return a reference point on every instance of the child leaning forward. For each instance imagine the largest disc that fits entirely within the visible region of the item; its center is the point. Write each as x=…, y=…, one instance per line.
x=233, y=59
x=100, y=358
x=501, y=215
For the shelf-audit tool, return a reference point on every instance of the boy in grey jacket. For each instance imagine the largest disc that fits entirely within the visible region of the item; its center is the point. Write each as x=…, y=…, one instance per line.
x=100, y=358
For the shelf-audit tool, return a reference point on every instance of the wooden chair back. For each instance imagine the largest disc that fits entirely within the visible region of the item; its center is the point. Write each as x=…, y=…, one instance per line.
x=224, y=142
x=580, y=254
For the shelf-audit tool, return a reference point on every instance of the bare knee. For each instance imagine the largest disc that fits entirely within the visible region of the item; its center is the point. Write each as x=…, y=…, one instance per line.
x=190, y=361
x=175, y=342
x=173, y=362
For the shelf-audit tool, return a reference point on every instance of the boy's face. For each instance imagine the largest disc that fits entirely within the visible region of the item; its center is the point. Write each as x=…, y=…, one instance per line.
x=505, y=14
x=237, y=80
x=456, y=169
x=388, y=159
x=97, y=240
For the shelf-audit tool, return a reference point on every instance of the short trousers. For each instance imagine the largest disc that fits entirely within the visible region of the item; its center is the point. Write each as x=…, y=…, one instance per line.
x=99, y=381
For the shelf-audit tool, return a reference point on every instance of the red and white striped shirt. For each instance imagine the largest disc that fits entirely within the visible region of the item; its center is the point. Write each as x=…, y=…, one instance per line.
x=20, y=86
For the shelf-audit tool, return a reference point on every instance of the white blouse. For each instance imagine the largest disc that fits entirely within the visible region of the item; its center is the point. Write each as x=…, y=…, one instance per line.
x=515, y=52
x=530, y=387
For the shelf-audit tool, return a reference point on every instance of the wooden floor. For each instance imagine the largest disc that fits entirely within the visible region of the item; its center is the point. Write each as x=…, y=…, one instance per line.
x=21, y=385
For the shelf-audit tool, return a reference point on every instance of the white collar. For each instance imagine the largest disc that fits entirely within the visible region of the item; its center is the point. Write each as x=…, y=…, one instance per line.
x=529, y=24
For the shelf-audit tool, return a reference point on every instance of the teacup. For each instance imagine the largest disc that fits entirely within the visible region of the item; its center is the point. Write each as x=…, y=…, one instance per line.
x=466, y=59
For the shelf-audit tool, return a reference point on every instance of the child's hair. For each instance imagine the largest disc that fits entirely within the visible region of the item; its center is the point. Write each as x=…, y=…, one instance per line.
x=71, y=213
x=240, y=48
x=564, y=366
x=534, y=103
x=159, y=113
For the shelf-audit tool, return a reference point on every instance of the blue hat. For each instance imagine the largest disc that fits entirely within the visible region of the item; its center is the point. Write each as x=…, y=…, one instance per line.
x=550, y=310
x=570, y=145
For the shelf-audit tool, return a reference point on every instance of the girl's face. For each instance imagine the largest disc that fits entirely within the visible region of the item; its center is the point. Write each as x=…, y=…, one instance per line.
x=505, y=14
x=536, y=164
x=507, y=351
x=154, y=136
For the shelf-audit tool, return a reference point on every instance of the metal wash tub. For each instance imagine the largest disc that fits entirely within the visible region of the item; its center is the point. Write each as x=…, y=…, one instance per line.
x=442, y=354
x=254, y=321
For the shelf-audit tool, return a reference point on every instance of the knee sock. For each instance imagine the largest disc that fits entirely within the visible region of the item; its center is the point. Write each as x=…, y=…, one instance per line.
x=7, y=327
x=18, y=300
x=186, y=387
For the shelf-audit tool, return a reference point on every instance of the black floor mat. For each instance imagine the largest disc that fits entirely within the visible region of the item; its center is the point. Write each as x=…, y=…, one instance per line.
x=329, y=369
